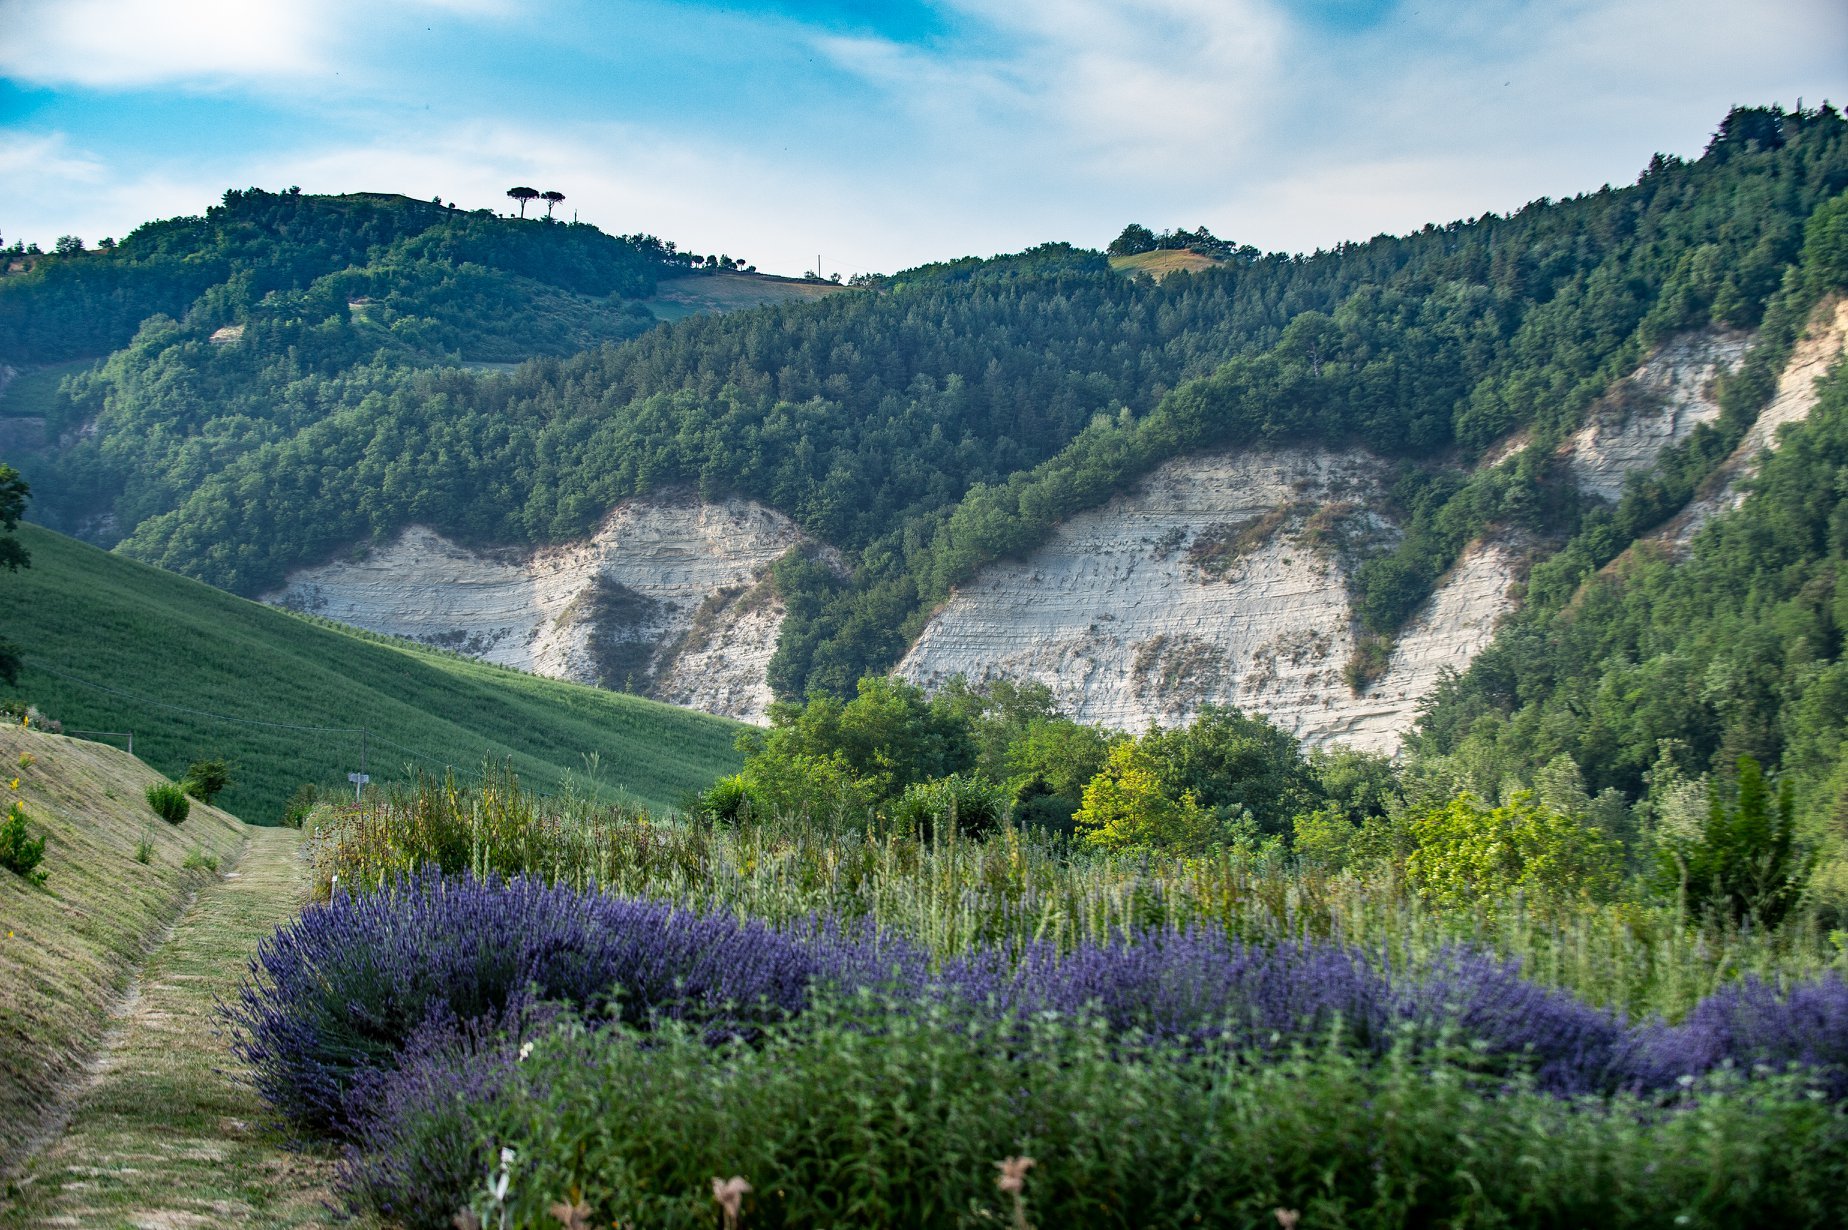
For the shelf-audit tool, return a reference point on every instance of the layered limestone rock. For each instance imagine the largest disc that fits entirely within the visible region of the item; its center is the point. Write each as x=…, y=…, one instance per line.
x=1818, y=350
x=1656, y=406
x=668, y=598
x=1221, y=579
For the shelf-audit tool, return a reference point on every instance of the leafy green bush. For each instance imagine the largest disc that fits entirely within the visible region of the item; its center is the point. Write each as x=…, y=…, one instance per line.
x=728, y=800
x=1126, y=808
x=199, y=860
x=169, y=801
x=1744, y=863
x=1467, y=853
x=21, y=853
x=205, y=780
x=970, y=804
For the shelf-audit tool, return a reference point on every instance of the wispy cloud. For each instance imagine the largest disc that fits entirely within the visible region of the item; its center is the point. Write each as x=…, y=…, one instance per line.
x=1126, y=87
x=47, y=160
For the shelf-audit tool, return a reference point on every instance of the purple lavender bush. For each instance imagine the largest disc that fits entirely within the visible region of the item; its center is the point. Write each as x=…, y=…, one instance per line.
x=1184, y=986
x=414, y=1153
x=1751, y=1025
x=334, y=997
x=1512, y=1024
x=337, y=999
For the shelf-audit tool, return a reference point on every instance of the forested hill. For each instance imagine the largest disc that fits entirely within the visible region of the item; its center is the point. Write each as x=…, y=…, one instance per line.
x=929, y=423
x=275, y=257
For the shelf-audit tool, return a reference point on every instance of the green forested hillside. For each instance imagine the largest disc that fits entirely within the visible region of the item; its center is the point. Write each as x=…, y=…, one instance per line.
x=946, y=416
x=114, y=645
x=1660, y=670
x=227, y=265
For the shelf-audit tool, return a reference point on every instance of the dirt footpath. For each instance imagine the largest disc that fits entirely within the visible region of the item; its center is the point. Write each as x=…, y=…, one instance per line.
x=164, y=1134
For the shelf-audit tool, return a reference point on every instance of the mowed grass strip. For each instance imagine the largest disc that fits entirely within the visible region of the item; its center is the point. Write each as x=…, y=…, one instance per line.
x=68, y=949
x=160, y=639
x=164, y=1132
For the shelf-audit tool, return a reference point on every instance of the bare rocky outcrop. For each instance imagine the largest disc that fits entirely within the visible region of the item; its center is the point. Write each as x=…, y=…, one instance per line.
x=1656, y=406
x=1815, y=353
x=1221, y=579
x=669, y=597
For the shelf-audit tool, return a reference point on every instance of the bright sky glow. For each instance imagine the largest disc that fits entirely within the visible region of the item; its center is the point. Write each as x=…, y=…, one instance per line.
x=881, y=135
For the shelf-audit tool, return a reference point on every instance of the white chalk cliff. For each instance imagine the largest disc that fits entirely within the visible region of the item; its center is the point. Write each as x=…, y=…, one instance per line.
x=1657, y=405
x=1126, y=630
x=1220, y=579
x=1818, y=350
x=670, y=592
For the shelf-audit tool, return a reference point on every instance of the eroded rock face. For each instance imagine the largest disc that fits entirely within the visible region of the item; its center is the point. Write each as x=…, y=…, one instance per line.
x=1656, y=406
x=1222, y=579
x=1818, y=350
x=668, y=598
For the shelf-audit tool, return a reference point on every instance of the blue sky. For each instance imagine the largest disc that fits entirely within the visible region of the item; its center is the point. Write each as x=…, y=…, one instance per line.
x=880, y=135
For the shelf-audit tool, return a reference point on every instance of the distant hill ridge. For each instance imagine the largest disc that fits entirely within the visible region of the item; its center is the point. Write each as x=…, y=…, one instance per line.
x=923, y=426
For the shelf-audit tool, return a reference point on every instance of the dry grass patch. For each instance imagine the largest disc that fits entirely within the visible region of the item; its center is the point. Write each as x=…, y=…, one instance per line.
x=1162, y=262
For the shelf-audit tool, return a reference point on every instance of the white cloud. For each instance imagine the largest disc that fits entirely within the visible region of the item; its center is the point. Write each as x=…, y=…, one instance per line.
x=47, y=159
x=1100, y=86
x=127, y=43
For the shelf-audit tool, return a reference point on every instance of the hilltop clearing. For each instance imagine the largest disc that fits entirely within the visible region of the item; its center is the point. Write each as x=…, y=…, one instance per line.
x=728, y=291
x=1164, y=261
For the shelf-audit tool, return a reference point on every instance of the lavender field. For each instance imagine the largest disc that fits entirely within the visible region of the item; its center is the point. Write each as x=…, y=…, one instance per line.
x=522, y=1012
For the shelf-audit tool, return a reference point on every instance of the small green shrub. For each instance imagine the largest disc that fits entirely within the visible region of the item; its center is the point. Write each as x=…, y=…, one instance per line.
x=21, y=853
x=1467, y=852
x=144, y=852
x=169, y=802
x=728, y=800
x=206, y=779
x=972, y=804
x=1744, y=864
x=199, y=860
x=295, y=811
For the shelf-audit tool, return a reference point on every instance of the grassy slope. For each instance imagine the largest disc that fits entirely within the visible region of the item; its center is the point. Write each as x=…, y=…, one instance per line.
x=66, y=949
x=724, y=291
x=162, y=637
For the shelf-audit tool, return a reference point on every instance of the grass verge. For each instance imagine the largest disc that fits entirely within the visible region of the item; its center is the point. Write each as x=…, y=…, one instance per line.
x=67, y=949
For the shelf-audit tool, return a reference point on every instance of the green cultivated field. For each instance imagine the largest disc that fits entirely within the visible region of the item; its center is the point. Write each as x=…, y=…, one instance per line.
x=183, y=658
